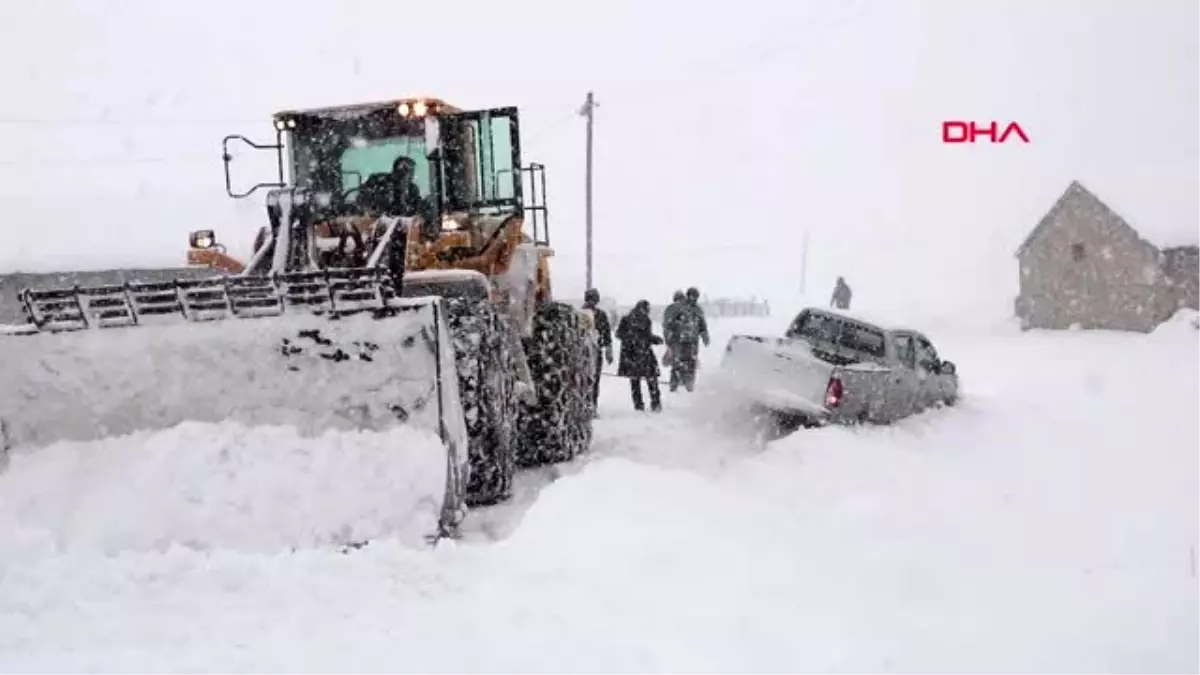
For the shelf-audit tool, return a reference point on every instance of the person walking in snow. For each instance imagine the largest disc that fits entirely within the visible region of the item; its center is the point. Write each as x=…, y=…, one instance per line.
x=669, y=313
x=841, y=294
x=591, y=302
x=687, y=327
x=638, y=362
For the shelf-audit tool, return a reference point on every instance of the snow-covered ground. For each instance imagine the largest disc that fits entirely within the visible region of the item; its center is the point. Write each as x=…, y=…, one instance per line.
x=1048, y=522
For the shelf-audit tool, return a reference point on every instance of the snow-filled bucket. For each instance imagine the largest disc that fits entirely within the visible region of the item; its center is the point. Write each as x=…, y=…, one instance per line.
x=362, y=372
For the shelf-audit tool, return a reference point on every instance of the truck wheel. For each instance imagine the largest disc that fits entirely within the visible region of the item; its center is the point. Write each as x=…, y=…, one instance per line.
x=558, y=425
x=485, y=383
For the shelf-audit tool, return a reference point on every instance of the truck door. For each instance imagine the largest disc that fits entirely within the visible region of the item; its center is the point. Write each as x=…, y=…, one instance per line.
x=903, y=382
x=933, y=383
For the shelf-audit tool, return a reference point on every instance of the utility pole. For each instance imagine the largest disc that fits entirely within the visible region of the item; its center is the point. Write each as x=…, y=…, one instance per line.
x=589, y=105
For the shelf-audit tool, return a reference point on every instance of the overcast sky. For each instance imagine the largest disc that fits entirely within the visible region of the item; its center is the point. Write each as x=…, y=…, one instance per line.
x=725, y=130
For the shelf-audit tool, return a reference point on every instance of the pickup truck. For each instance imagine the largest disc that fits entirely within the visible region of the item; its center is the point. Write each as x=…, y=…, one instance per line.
x=831, y=367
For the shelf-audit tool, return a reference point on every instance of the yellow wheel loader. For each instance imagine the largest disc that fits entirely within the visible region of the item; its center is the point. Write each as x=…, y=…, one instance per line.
x=402, y=277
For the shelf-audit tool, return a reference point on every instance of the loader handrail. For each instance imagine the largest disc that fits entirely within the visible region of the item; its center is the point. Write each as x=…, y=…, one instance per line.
x=536, y=213
x=227, y=158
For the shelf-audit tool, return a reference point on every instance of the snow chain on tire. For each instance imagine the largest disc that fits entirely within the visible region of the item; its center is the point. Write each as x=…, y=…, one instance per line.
x=488, y=397
x=559, y=426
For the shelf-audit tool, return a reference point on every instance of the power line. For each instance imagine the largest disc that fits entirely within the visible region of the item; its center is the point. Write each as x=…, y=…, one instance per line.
x=110, y=161
x=558, y=124
x=730, y=65
x=716, y=249
x=107, y=122
x=723, y=66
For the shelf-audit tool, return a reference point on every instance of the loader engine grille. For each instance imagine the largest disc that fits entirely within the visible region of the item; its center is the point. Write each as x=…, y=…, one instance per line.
x=334, y=291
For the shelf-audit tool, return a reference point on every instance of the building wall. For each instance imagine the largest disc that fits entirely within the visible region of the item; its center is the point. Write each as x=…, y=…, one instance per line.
x=1181, y=274
x=1088, y=268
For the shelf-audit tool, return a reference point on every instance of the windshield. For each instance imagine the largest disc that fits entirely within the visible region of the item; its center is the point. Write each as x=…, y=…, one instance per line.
x=367, y=157
x=340, y=155
x=353, y=156
x=831, y=329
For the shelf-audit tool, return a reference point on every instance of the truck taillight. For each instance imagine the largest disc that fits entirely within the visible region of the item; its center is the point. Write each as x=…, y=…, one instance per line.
x=833, y=393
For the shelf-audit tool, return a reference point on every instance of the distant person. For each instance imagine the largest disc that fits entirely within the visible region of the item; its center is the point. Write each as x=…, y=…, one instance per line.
x=638, y=362
x=687, y=328
x=591, y=302
x=841, y=294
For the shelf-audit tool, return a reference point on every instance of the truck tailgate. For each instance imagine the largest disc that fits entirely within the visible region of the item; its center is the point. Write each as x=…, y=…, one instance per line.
x=778, y=372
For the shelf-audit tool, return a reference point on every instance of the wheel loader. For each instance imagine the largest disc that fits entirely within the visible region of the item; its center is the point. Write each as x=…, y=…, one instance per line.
x=401, y=277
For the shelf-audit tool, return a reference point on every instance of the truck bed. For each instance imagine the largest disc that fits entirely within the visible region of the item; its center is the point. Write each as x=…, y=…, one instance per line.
x=794, y=377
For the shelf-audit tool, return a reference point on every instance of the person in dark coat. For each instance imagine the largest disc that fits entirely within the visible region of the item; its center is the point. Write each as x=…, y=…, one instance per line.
x=638, y=361
x=395, y=193
x=687, y=329
x=591, y=301
x=669, y=359
x=841, y=294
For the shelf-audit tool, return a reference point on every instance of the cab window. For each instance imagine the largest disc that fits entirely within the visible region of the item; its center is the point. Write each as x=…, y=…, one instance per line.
x=905, y=351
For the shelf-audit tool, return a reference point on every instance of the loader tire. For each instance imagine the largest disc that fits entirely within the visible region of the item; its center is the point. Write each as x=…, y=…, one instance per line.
x=486, y=387
x=558, y=426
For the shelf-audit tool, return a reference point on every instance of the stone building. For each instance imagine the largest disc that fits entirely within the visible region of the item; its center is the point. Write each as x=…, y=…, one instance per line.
x=1084, y=266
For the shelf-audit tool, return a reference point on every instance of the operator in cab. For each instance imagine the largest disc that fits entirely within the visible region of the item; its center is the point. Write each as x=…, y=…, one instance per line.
x=394, y=193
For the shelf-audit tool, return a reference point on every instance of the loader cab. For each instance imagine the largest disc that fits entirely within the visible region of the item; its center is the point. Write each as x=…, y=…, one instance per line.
x=464, y=162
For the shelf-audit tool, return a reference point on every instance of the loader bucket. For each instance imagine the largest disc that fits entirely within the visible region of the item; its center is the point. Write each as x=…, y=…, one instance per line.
x=254, y=355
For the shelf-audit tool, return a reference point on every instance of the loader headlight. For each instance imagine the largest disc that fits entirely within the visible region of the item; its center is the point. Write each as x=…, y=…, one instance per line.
x=449, y=224
x=204, y=239
x=414, y=109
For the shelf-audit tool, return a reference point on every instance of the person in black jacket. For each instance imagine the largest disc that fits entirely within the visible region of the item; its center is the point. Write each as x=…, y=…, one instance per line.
x=591, y=301
x=638, y=361
x=394, y=193
x=841, y=295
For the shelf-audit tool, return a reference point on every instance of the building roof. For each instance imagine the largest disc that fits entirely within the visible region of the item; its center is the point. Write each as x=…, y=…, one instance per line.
x=1076, y=193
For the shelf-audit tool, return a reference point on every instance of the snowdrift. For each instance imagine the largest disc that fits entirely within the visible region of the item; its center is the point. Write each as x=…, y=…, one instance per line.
x=1048, y=523
x=300, y=371
x=222, y=487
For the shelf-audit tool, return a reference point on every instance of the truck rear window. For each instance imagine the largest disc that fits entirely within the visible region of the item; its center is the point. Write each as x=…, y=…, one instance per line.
x=845, y=334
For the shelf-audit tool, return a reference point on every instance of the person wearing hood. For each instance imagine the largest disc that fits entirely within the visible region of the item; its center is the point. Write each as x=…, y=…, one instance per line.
x=638, y=362
x=841, y=294
x=669, y=313
x=591, y=302
x=687, y=328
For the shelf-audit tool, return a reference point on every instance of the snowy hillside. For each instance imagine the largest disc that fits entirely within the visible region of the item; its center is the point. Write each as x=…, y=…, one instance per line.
x=1046, y=523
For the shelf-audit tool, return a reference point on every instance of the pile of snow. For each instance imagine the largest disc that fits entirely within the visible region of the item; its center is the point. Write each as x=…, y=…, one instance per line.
x=1180, y=321
x=229, y=487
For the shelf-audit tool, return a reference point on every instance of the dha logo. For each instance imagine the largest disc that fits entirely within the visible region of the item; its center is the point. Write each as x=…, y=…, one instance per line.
x=954, y=131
